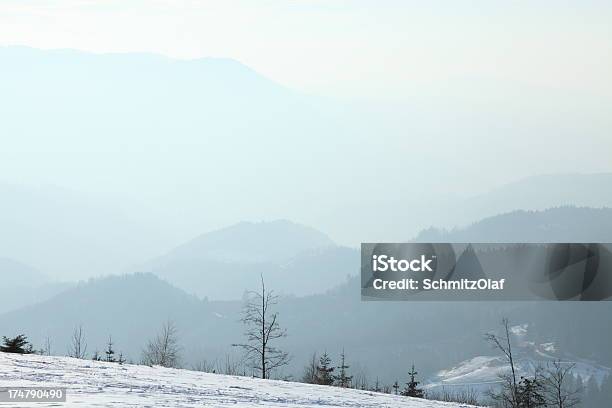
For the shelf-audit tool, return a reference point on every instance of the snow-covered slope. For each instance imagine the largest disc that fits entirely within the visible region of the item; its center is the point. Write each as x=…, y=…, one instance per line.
x=99, y=384
x=482, y=372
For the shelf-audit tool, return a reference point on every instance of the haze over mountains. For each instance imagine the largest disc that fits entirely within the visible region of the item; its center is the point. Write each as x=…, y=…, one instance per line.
x=71, y=236
x=249, y=242
x=433, y=335
x=155, y=152
x=16, y=273
x=223, y=264
x=561, y=224
x=195, y=145
x=532, y=193
x=23, y=285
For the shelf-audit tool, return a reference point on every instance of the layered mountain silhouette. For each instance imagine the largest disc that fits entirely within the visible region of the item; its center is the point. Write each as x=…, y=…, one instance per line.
x=299, y=260
x=22, y=285
x=380, y=337
x=70, y=235
x=15, y=273
x=562, y=224
x=535, y=193
x=251, y=242
x=223, y=264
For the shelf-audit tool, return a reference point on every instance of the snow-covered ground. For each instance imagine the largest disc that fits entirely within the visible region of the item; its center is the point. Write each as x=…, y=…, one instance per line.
x=99, y=384
x=482, y=373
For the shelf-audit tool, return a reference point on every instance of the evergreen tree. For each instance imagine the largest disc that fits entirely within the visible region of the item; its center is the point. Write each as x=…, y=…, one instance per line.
x=121, y=359
x=412, y=389
x=110, y=353
x=396, y=387
x=530, y=393
x=18, y=345
x=376, y=386
x=325, y=371
x=343, y=379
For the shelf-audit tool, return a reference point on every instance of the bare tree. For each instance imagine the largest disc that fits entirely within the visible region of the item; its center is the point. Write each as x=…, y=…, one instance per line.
x=557, y=390
x=78, y=346
x=311, y=370
x=232, y=366
x=261, y=331
x=361, y=380
x=47, y=347
x=463, y=396
x=205, y=366
x=509, y=394
x=163, y=350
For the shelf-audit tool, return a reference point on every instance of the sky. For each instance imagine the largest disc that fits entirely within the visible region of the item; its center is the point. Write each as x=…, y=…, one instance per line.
x=386, y=102
x=343, y=48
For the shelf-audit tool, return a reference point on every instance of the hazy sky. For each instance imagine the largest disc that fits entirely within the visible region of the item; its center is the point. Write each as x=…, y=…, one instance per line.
x=413, y=97
x=343, y=47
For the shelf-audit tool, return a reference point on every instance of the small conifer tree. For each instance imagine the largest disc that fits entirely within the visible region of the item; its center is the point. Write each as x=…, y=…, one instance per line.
x=325, y=371
x=412, y=387
x=343, y=379
x=110, y=353
x=18, y=345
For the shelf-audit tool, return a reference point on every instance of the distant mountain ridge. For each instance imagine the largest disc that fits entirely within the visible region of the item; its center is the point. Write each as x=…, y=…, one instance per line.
x=562, y=224
x=22, y=285
x=15, y=273
x=535, y=193
x=250, y=242
x=549, y=190
x=222, y=264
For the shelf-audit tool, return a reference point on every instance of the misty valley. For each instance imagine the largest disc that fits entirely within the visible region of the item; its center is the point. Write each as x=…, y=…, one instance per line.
x=380, y=340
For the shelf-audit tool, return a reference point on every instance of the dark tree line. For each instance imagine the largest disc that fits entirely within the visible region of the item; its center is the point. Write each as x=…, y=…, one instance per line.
x=322, y=371
x=552, y=385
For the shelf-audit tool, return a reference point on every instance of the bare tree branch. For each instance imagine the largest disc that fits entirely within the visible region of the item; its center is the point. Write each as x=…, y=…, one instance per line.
x=557, y=391
x=504, y=344
x=78, y=346
x=163, y=350
x=261, y=329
